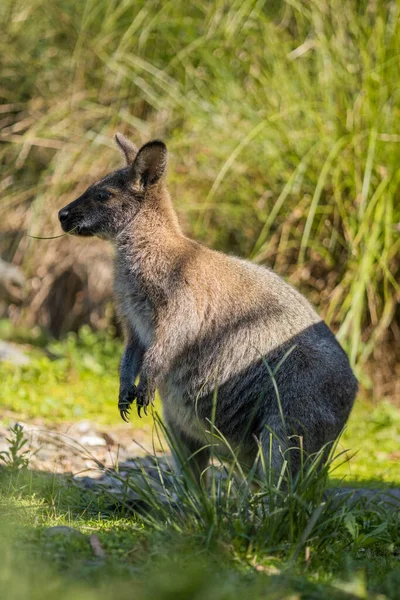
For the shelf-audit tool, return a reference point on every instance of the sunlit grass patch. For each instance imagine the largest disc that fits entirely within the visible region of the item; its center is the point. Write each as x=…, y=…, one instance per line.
x=211, y=544
x=74, y=379
x=372, y=438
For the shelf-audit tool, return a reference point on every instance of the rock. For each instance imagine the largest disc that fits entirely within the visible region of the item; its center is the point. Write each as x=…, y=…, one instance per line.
x=12, y=354
x=388, y=497
x=89, y=483
x=82, y=427
x=92, y=440
x=63, y=530
x=136, y=480
x=149, y=477
x=12, y=282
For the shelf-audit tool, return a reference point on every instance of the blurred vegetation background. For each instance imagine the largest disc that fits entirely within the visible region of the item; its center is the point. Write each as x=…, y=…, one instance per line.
x=281, y=119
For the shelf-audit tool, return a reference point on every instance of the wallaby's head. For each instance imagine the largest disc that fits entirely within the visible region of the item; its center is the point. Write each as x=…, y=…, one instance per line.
x=108, y=205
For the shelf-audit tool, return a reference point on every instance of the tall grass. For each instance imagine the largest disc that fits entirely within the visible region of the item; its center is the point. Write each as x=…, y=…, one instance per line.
x=264, y=513
x=281, y=119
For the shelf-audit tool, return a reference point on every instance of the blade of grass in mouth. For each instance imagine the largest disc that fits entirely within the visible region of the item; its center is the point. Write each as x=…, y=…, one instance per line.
x=54, y=237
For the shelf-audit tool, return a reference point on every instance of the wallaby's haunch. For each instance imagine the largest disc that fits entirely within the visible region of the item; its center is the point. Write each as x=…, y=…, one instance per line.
x=218, y=336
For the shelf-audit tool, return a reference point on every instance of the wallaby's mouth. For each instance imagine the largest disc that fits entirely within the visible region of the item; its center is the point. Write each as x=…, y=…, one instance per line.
x=81, y=231
x=76, y=230
x=71, y=225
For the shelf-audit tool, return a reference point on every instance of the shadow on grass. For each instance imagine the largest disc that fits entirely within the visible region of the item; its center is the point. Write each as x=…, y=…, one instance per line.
x=63, y=495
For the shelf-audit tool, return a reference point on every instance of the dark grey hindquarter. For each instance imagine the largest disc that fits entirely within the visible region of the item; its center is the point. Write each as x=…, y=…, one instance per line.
x=315, y=384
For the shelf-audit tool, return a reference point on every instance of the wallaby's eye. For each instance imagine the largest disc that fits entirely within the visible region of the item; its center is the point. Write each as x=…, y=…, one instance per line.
x=103, y=195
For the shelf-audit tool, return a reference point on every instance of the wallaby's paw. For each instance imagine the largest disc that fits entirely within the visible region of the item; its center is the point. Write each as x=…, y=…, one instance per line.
x=126, y=397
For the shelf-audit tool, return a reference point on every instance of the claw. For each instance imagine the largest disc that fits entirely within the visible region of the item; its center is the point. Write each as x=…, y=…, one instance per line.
x=124, y=415
x=124, y=411
x=139, y=407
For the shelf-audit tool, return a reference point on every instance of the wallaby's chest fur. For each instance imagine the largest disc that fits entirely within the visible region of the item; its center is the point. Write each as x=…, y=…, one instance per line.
x=134, y=307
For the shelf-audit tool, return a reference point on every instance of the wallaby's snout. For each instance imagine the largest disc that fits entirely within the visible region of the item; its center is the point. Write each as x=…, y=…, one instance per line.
x=77, y=217
x=64, y=216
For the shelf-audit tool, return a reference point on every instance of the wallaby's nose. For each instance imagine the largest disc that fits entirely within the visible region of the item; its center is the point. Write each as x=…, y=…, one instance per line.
x=63, y=215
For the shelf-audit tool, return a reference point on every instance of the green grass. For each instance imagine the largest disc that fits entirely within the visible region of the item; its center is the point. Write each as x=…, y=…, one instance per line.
x=206, y=549
x=281, y=118
x=170, y=566
x=217, y=545
x=373, y=436
x=73, y=379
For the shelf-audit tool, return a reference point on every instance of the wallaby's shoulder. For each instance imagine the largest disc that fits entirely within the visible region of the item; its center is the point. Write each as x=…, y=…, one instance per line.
x=246, y=282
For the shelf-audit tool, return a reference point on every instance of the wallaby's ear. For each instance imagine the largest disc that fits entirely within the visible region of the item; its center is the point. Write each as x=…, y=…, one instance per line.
x=128, y=149
x=150, y=163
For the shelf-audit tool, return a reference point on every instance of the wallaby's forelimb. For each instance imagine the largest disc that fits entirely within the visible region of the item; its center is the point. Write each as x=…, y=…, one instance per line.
x=131, y=363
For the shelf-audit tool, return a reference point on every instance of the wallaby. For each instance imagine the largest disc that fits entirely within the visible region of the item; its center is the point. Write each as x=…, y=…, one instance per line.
x=221, y=338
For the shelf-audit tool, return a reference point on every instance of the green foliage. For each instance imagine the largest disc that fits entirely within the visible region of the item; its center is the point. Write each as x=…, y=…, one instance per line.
x=74, y=378
x=236, y=540
x=15, y=457
x=372, y=437
x=281, y=118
